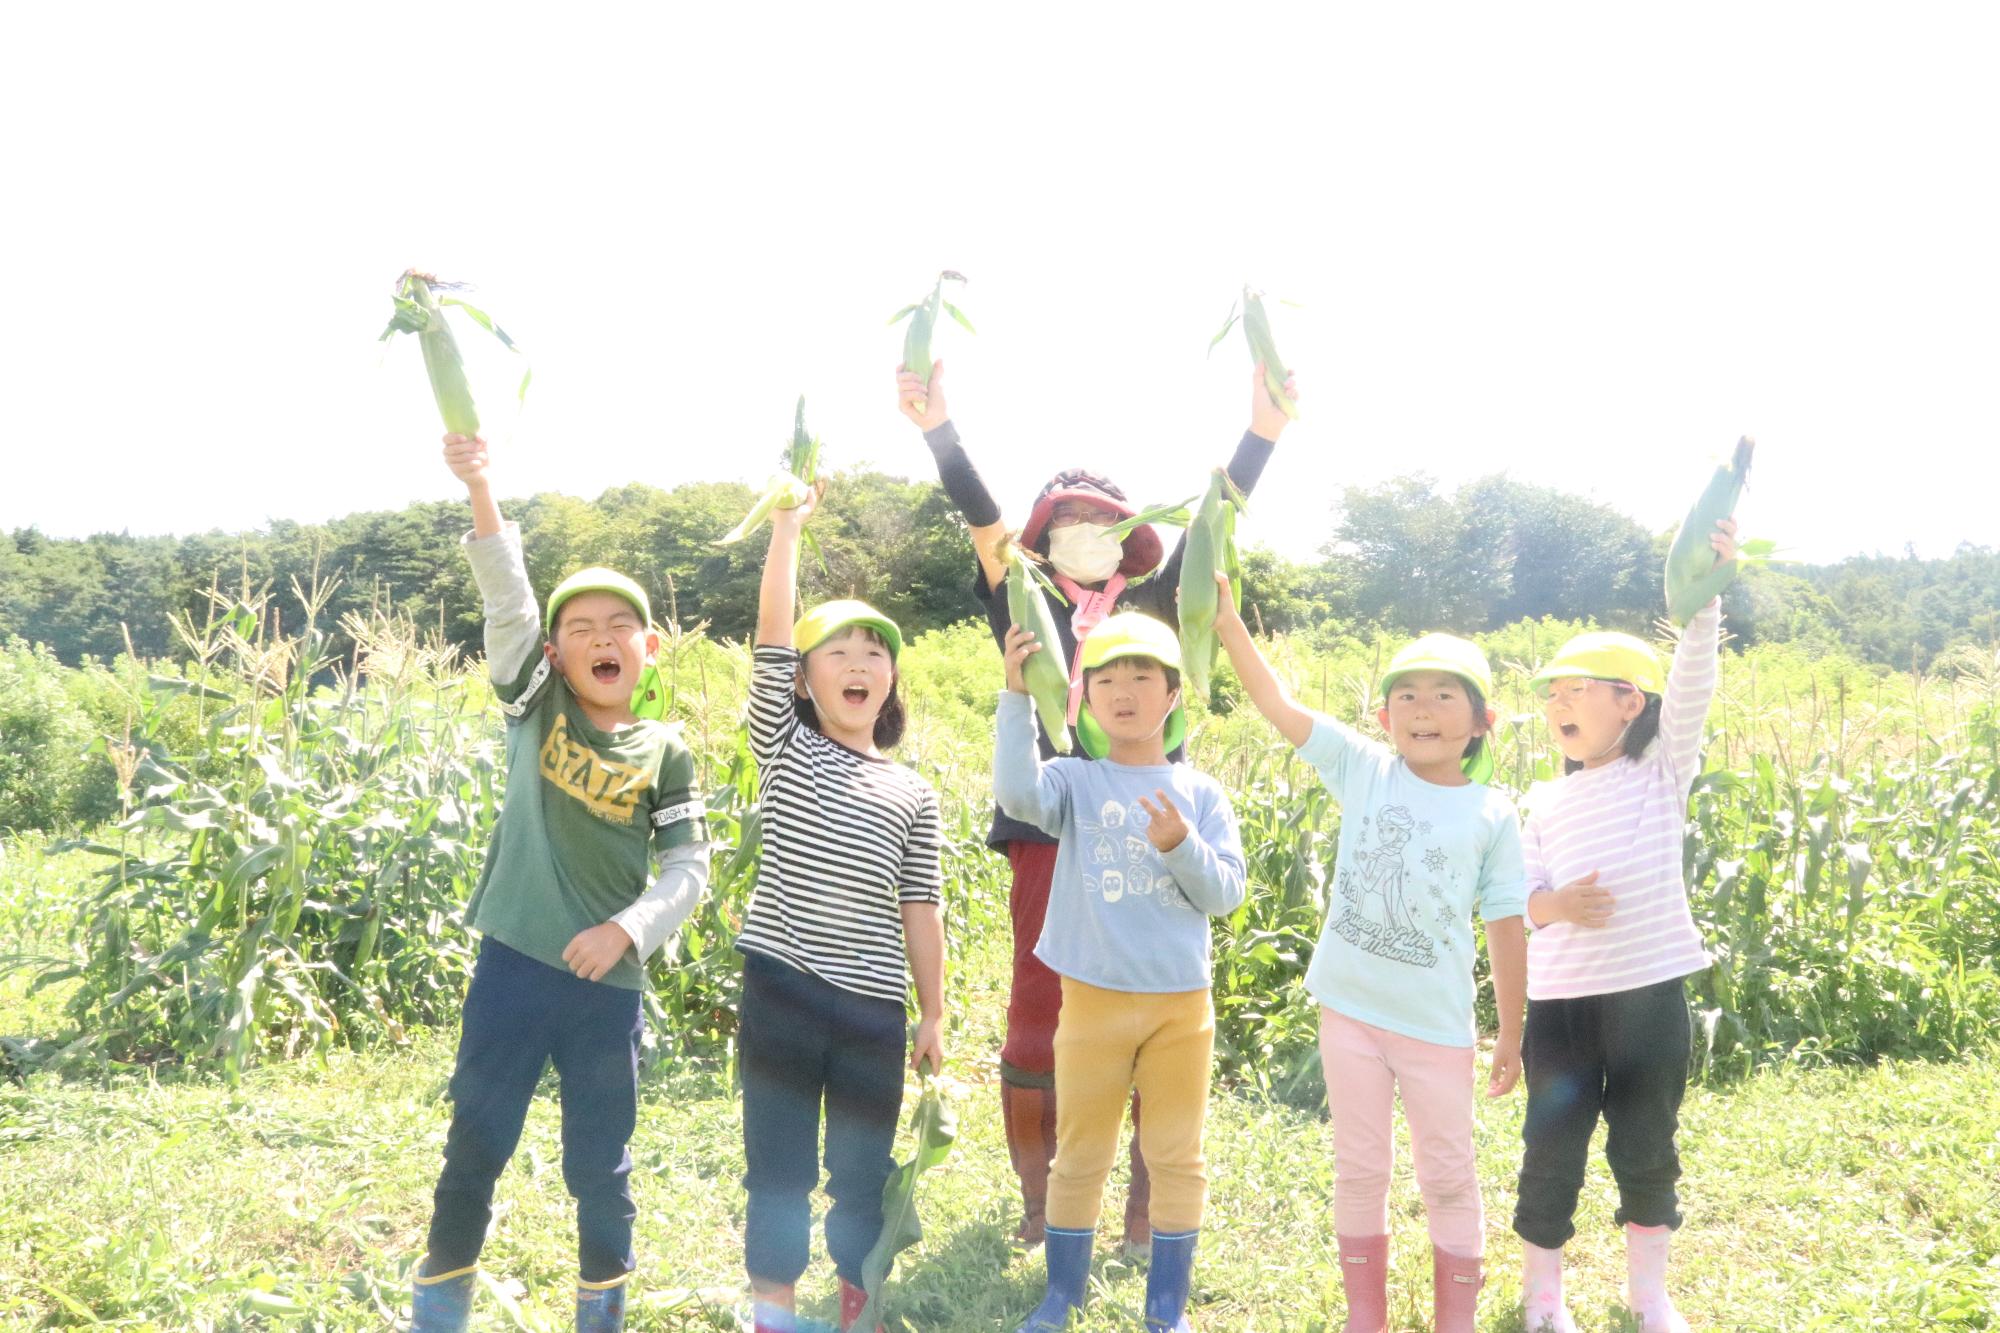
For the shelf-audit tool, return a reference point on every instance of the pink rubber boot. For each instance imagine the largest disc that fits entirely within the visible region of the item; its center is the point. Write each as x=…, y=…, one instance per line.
x=1455, y=1283
x=1364, y=1276
x=1646, y=1280
x=1542, y=1291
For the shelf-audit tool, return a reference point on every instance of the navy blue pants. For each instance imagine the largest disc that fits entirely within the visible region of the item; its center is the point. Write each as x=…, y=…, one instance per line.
x=519, y=1015
x=1623, y=1056
x=803, y=1042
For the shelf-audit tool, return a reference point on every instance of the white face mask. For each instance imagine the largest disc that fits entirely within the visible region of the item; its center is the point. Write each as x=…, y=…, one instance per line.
x=1086, y=552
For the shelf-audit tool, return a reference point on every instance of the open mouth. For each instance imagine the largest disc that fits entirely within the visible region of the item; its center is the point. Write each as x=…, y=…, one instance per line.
x=1424, y=735
x=605, y=669
x=856, y=695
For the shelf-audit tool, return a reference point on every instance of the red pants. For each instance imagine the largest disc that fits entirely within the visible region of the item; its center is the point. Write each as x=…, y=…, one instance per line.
x=1035, y=999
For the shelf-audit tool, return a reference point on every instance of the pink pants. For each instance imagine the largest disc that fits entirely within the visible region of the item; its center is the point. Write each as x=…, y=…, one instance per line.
x=1365, y=1068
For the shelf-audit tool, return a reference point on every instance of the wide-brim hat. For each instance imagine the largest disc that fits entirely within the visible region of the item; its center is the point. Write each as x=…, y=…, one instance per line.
x=1143, y=548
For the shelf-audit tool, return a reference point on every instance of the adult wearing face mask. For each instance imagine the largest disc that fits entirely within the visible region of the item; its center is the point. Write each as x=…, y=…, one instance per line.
x=1069, y=524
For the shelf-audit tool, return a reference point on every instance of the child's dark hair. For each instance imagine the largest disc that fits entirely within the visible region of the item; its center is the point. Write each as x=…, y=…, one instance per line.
x=889, y=723
x=1173, y=674
x=1477, y=745
x=1638, y=736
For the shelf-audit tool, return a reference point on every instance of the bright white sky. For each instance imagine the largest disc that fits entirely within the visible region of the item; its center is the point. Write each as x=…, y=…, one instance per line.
x=1588, y=244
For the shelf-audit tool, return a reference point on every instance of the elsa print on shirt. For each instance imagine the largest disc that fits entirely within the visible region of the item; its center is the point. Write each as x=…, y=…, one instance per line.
x=1378, y=911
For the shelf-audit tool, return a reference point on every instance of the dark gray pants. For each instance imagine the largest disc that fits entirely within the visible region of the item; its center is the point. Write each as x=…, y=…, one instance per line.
x=1624, y=1056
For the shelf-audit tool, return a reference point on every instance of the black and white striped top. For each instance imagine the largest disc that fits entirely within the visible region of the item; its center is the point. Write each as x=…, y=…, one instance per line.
x=847, y=839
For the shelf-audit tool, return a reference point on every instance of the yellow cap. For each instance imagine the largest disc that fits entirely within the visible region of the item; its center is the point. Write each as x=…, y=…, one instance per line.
x=1129, y=634
x=1605, y=655
x=1441, y=652
x=596, y=579
x=821, y=623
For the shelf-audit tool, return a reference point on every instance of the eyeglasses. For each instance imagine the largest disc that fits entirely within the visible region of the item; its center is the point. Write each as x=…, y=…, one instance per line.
x=1573, y=689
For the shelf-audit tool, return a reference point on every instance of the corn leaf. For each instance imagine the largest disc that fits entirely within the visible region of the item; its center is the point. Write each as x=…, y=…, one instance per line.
x=959, y=315
x=1227, y=325
x=934, y=1128
x=1170, y=515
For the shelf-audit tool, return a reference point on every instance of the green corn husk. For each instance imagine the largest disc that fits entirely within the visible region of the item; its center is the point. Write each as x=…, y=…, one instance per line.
x=1263, y=349
x=934, y=1127
x=1694, y=576
x=420, y=310
x=923, y=323
x=1046, y=674
x=1210, y=545
x=789, y=488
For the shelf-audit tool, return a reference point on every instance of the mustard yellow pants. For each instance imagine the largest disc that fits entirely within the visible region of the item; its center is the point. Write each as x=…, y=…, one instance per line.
x=1107, y=1042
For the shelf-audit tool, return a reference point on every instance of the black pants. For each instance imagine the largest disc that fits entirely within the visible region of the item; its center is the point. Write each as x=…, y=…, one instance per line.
x=519, y=1015
x=1624, y=1055
x=801, y=1042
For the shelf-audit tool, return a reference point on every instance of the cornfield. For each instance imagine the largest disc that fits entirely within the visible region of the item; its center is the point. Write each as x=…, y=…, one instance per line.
x=293, y=877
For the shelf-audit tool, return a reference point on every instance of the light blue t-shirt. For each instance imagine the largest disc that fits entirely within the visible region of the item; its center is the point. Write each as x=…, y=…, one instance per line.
x=1415, y=861
x=1122, y=915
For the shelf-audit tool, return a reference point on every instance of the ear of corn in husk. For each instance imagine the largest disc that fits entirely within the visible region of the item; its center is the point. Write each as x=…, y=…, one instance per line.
x=420, y=310
x=1210, y=546
x=923, y=323
x=1263, y=349
x=1693, y=575
x=786, y=489
x=1045, y=673
x=934, y=1127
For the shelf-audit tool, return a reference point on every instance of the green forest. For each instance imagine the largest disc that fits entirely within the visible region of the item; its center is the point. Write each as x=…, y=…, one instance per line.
x=1402, y=556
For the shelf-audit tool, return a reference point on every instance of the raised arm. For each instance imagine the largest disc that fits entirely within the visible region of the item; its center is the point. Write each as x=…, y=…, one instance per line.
x=513, y=621
x=1024, y=787
x=1253, y=451
x=963, y=485
x=1266, y=691
x=777, y=596
x=1691, y=679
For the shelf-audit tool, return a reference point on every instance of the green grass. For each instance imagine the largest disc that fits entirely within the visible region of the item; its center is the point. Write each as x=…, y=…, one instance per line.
x=1831, y=1199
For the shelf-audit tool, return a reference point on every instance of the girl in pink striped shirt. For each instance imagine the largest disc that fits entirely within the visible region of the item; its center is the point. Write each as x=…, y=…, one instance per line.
x=1607, y=1030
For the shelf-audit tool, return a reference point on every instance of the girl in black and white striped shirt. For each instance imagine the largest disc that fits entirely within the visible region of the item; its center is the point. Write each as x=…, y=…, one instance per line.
x=845, y=912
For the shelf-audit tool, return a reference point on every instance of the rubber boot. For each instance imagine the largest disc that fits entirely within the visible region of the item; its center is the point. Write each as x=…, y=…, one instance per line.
x=1068, y=1256
x=1139, y=1198
x=600, y=1306
x=1455, y=1283
x=1646, y=1280
x=1542, y=1307
x=1167, y=1281
x=852, y=1298
x=442, y=1304
x=1030, y=1117
x=774, y=1316
x=1364, y=1276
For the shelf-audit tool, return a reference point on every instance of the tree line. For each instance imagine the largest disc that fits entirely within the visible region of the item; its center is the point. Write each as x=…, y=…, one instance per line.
x=1403, y=555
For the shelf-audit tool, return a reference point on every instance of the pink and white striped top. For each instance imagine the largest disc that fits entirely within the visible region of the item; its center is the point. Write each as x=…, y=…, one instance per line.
x=1624, y=820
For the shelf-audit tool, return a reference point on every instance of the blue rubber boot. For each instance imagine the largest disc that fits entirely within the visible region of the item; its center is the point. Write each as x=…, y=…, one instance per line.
x=600, y=1306
x=1167, y=1282
x=1068, y=1255
x=442, y=1304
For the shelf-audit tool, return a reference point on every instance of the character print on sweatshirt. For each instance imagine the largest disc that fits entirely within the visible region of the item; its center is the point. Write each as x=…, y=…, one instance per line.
x=1120, y=864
